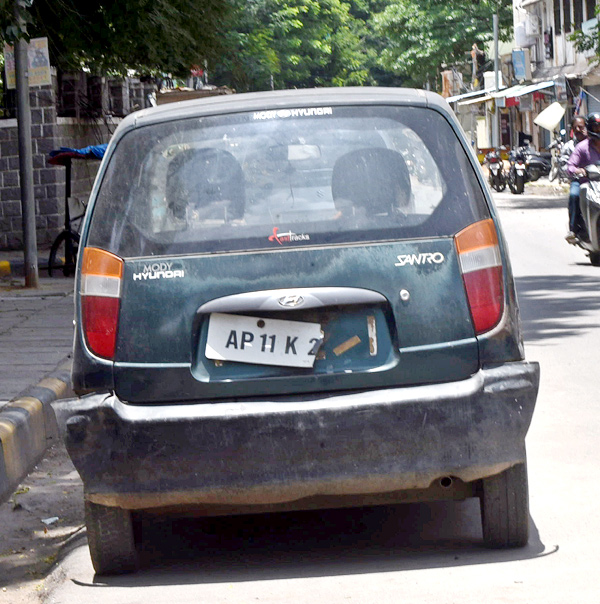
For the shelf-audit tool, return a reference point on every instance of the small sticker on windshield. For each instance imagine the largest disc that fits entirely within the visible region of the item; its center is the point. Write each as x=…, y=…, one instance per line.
x=288, y=237
x=285, y=113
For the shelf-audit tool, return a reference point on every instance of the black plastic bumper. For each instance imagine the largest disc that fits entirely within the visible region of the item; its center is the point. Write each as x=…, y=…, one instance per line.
x=251, y=452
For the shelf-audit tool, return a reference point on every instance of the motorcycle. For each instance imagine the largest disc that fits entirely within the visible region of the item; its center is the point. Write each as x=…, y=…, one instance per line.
x=537, y=164
x=497, y=177
x=517, y=172
x=589, y=203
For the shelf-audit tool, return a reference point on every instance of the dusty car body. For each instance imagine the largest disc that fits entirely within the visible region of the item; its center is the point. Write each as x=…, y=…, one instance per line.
x=275, y=311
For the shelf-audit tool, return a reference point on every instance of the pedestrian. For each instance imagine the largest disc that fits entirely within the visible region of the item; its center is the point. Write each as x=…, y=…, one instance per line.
x=584, y=153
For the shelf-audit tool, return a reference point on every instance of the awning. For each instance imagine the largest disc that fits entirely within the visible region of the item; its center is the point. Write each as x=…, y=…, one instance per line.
x=521, y=90
x=542, y=74
x=481, y=99
x=467, y=95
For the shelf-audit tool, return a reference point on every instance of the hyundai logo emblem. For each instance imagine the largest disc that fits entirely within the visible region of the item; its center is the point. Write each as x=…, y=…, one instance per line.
x=291, y=301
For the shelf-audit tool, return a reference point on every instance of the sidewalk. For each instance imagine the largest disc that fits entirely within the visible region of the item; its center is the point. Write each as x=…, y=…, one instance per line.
x=36, y=337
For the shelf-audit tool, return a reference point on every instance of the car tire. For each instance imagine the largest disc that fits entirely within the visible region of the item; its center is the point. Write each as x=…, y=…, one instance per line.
x=110, y=539
x=505, y=508
x=595, y=258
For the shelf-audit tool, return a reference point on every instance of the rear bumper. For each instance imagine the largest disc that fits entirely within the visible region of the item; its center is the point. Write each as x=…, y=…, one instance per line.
x=235, y=454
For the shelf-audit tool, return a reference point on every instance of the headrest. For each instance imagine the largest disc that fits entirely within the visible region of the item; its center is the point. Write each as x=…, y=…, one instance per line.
x=376, y=179
x=200, y=177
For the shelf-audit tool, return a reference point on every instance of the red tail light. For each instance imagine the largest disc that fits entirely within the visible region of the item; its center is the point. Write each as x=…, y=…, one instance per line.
x=101, y=275
x=481, y=267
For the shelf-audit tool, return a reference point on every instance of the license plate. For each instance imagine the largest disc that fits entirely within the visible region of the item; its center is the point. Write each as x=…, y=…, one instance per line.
x=262, y=341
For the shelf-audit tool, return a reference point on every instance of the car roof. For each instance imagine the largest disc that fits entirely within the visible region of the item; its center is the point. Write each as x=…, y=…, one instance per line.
x=260, y=101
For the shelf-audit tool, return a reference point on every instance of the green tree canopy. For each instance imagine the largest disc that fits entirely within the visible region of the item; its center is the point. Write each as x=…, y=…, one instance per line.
x=298, y=43
x=422, y=35
x=253, y=44
x=117, y=35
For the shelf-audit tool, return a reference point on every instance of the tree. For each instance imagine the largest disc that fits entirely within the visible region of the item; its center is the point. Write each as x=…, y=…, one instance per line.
x=116, y=35
x=299, y=43
x=422, y=35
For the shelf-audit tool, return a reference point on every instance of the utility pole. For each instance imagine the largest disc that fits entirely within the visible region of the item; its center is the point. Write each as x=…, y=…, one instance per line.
x=25, y=152
x=496, y=120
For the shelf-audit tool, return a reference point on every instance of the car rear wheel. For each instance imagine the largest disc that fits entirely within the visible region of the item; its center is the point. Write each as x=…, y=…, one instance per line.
x=505, y=508
x=110, y=539
x=595, y=258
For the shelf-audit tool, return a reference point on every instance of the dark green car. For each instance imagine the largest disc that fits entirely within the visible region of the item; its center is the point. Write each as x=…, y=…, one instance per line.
x=292, y=300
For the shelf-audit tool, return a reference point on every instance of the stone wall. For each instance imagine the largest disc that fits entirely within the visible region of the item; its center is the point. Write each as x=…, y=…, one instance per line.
x=47, y=185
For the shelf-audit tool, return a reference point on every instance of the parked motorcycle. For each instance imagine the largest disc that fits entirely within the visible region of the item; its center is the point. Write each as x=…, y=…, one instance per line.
x=517, y=172
x=537, y=164
x=495, y=165
x=589, y=203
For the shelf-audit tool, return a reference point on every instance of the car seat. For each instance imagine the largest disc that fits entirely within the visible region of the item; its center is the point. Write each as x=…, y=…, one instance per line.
x=374, y=181
x=209, y=182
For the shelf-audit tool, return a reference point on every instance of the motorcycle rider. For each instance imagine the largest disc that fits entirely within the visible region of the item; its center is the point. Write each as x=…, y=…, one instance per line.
x=585, y=153
x=578, y=133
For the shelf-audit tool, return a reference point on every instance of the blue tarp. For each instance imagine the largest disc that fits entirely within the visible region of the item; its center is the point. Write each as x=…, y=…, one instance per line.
x=58, y=156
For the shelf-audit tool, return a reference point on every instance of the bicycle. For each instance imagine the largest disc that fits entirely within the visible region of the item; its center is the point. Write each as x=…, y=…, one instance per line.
x=63, y=253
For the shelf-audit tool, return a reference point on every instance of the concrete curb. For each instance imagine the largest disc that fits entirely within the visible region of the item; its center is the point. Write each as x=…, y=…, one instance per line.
x=28, y=425
x=15, y=267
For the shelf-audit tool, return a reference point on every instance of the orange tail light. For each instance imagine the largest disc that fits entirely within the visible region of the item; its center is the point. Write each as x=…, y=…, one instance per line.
x=101, y=276
x=481, y=267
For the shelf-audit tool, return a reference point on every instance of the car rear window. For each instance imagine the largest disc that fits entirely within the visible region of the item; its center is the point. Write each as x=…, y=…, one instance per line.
x=285, y=178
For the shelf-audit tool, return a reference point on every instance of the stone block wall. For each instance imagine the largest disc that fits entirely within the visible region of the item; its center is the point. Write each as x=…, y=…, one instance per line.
x=48, y=132
x=47, y=186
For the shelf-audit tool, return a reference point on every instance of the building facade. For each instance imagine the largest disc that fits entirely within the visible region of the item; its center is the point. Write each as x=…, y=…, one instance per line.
x=540, y=67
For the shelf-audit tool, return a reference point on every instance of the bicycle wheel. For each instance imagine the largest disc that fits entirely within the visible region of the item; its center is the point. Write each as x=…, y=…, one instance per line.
x=63, y=254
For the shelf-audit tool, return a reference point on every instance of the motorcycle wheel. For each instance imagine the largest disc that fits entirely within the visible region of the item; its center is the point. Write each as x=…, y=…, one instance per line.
x=553, y=173
x=500, y=185
x=519, y=184
x=533, y=174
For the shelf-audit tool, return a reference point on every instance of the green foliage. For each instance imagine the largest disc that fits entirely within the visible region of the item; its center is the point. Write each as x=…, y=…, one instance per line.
x=299, y=43
x=421, y=36
x=116, y=35
x=253, y=44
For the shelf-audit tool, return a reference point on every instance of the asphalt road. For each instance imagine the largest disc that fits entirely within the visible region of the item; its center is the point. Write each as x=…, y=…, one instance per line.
x=419, y=553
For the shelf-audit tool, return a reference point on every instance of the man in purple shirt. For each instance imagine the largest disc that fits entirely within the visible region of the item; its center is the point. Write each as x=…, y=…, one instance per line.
x=585, y=153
